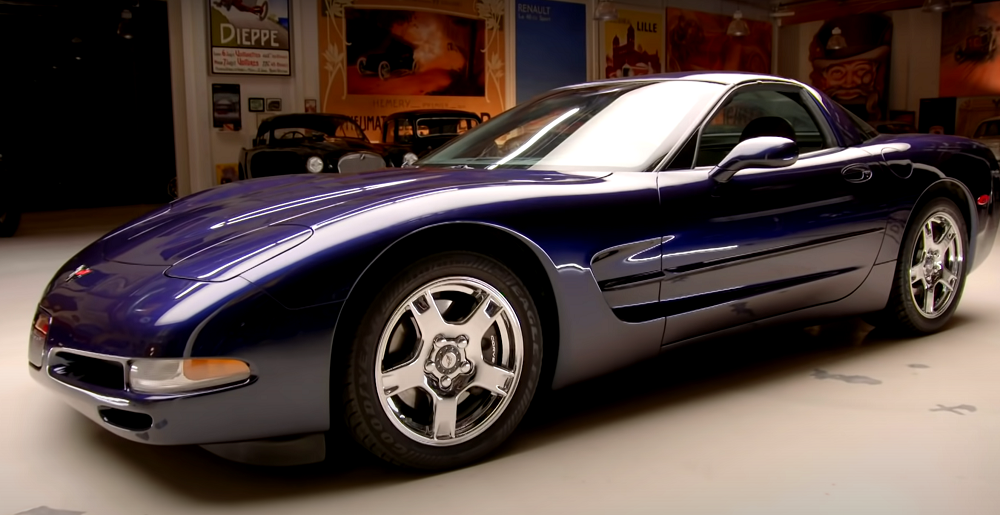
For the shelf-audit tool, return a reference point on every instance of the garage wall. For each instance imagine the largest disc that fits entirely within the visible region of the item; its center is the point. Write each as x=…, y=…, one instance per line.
x=199, y=147
x=914, y=68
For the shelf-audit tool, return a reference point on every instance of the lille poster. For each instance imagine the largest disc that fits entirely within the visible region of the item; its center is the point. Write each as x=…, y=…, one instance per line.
x=250, y=37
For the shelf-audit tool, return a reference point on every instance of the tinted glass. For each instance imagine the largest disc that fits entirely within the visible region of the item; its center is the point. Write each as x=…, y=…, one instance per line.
x=742, y=115
x=606, y=127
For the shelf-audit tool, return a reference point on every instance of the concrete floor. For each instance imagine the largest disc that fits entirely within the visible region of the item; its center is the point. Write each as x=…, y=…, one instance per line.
x=788, y=421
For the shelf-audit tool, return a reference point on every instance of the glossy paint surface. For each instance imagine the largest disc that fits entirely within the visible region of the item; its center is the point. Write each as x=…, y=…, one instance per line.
x=261, y=270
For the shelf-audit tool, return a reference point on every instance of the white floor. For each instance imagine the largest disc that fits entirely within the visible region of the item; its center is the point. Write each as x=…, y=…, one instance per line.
x=783, y=422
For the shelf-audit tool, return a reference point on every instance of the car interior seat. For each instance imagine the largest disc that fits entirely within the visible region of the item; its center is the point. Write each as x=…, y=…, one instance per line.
x=773, y=126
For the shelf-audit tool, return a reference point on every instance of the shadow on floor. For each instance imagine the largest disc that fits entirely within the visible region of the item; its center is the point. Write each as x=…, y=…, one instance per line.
x=677, y=377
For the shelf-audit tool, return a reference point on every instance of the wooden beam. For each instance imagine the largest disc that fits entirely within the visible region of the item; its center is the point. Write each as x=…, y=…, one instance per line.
x=825, y=10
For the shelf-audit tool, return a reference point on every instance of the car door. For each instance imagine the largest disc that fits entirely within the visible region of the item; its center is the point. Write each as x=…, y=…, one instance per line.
x=768, y=241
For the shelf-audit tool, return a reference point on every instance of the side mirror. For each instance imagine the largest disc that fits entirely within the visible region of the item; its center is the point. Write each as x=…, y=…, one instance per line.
x=409, y=159
x=763, y=152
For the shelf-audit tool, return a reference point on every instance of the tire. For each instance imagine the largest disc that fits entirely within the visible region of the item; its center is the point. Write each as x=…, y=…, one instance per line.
x=384, y=70
x=398, y=379
x=9, y=220
x=910, y=309
x=361, y=66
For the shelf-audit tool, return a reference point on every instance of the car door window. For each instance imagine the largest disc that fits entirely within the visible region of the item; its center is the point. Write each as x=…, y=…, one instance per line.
x=390, y=131
x=349, y=130
x=759, y=112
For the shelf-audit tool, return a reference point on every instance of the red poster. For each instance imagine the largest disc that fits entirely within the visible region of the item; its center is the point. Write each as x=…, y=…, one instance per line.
x=698, y=41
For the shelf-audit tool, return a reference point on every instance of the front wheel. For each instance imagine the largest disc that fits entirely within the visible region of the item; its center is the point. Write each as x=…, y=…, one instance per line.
x=930, y=272
x=445, y=363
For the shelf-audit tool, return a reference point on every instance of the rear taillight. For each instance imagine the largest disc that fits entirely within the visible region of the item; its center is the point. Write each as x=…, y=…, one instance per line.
x=983, y=200
x=42, y=321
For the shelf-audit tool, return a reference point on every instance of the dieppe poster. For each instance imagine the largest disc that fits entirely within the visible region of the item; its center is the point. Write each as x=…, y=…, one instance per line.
x=418, y=54
x=250, y=37
x=633, y=44
x=551, y=46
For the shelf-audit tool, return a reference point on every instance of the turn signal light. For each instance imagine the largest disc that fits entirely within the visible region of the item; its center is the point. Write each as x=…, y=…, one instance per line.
x=983, y=200
x=184, y=375
x=42, y=323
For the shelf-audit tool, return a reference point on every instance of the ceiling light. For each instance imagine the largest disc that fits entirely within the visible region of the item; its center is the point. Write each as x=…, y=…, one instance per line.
x=738, y=27
x=605, y=11
x=836, y=41
x=937, y=6
x=125, y=25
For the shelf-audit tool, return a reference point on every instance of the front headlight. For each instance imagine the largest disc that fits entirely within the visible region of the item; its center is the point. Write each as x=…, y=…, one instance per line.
x=184, y=375
x=314, y=164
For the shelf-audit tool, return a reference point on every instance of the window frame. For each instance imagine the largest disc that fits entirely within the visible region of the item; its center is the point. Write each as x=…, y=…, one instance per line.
x=806, y=100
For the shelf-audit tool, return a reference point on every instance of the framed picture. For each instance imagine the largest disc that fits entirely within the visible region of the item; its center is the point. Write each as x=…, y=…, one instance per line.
x=274, y=104
x=226, y=107
x=256, y=105
x=249, y=37
x=310, y=105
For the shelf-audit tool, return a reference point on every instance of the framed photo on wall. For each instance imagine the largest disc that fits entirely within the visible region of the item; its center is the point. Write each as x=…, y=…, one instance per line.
x=310, y=105
x=226, y=113
x=250, y=37
x=274, y=104
x=256, y=105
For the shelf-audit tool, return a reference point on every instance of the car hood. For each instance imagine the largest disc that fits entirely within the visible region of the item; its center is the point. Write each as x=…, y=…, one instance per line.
x=198, y=222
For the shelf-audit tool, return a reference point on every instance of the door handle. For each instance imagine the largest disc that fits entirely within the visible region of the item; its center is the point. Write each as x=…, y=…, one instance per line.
x=856, y=173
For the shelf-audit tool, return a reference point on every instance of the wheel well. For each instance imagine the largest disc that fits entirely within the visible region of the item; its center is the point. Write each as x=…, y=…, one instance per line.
x=489, y=241
x=953, y=191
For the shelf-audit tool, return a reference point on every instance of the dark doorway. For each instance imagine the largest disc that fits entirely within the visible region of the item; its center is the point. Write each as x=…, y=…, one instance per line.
x=87, y=119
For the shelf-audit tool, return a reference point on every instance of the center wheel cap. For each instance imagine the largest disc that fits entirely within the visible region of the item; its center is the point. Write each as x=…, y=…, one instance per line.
x=448, y=361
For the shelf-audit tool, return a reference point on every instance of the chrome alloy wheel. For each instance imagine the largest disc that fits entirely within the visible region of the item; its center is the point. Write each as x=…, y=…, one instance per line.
x=936, y=265
x=449, y=360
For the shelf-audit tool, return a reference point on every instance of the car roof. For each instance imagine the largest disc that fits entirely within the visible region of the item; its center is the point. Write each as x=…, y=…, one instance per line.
x=305, y=117
x=995, y=118
x=427, y=112
x=718, y=77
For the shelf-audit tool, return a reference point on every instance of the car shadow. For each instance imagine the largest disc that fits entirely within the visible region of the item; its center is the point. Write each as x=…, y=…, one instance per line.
x=678, y=376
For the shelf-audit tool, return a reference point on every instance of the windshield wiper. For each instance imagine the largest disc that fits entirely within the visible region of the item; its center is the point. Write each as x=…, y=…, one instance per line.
x=460, y=167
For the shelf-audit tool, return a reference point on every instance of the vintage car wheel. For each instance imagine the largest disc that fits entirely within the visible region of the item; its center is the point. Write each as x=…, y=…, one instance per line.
x=930, y=273
x=444, y=364
x=361, y=66
x=263, y=11
x=384, y=70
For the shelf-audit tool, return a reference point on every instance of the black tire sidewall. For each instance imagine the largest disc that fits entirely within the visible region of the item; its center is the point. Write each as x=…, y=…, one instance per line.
x=912, y=320
x=370, y=425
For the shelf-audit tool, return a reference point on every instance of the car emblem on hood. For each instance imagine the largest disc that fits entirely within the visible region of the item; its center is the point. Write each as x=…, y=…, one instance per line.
x=80, y=271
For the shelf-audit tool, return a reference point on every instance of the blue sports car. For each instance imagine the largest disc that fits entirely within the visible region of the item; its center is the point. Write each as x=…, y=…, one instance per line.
x=420, y=309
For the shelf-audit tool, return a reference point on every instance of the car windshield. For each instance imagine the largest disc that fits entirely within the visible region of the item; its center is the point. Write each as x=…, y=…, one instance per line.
x=429, y=127
x=988, y=129
x=327, y=128
x=601, y=127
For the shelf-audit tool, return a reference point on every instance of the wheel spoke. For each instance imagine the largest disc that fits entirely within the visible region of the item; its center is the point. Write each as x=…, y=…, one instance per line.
x=927, y=235
x=405, y=377
x=946, y=241
x=494, y=379
x=429, y=321
x=445, y=417
x=481, y=319
x=929, y=299
x=948, y=280
x=917, y=275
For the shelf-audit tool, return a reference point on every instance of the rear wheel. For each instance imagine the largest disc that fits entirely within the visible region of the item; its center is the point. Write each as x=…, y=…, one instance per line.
x=930, y=273
x=384, y=70
x=445, y=363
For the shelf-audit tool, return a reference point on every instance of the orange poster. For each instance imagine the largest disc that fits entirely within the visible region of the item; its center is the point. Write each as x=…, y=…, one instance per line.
x=698, y=41
x=969, y=61
x=377, y=60
x=633, y=44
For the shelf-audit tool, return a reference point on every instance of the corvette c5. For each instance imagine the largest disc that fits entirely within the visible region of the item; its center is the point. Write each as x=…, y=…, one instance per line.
x=420, y=309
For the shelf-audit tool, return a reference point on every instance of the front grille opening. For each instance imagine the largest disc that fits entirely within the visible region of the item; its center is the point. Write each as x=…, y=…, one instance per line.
x=85, y=371
x=129, y=420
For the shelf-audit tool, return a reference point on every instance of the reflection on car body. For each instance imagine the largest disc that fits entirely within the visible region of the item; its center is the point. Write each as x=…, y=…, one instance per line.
x=419, y=310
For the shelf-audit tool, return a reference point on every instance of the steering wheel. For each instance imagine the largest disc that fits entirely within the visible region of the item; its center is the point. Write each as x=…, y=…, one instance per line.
x=291, y=135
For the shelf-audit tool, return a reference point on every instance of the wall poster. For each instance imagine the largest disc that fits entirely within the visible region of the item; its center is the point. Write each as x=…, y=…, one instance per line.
x=633, y=44
x=698, y=41
x=376, y=60
x=857, y=73
x=551, y=46
x=969, y=64
x=226, y=112
x=250, y=37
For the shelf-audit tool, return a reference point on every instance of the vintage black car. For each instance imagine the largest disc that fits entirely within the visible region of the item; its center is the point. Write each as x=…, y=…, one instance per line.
x=394, y=55
x=422, y=131
x=310, y=143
